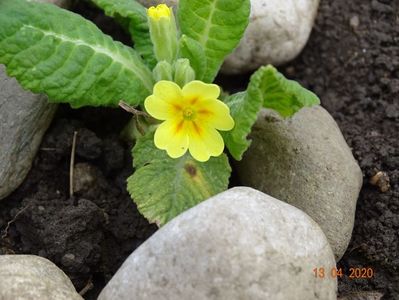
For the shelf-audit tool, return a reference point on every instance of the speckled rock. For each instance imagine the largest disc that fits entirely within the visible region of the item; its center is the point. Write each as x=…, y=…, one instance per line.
x=240, y=244
x=305, y=161
x=29, y=277
x=277, y=32
x=24, y=118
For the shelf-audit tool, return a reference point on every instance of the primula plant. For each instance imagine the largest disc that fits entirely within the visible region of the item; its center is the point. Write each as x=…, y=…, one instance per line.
x=185, y=124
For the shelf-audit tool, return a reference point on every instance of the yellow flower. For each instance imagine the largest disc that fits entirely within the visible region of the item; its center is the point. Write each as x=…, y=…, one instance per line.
x=191, y=116
x=161, y=10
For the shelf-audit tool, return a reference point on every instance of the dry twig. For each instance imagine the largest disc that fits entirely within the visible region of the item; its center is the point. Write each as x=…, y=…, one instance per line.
x=136, y=113
x=132, y=110
x=72, y=164
x=4, y=235
x=86, y=288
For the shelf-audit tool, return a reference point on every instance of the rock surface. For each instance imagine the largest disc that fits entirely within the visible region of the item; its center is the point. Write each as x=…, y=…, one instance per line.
x=33, y=277
x=277, y=32
x=240, y=244
x=306, y=162
x=24, y=117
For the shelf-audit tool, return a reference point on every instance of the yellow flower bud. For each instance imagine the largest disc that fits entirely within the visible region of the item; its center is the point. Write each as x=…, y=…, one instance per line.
x=161, y=10
x=163, y=32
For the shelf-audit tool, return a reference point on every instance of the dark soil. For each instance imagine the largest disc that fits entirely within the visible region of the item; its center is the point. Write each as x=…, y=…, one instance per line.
x=351, y=62
x=92, y=233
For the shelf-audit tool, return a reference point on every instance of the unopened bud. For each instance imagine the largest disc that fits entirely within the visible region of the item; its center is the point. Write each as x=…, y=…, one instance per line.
x=163, y=32
x=163, y=71
x=184, y=73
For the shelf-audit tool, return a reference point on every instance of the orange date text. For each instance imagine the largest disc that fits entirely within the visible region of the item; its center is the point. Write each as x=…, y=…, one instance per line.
x=354, y=273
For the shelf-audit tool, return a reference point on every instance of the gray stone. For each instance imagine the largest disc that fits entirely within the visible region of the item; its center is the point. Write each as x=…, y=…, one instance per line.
x=305, y=161
x=30, y=277
x=240, y=244
x=24, y=118
x=277, y=32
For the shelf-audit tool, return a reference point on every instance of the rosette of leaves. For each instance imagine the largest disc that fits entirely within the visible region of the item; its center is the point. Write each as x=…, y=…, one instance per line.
x=54, y=51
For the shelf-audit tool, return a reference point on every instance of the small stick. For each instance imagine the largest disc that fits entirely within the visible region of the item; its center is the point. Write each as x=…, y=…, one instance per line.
x=136, y=113
x=48, y=149
x=72, y=164
x=4, y=235
x=86, y=288
x=132, y=110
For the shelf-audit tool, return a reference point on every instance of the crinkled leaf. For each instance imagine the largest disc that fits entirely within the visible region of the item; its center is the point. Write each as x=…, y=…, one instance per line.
x=283, y=95
x=244, y=108
x=163, y=187
x=59, y=53
x=134, y=17
x=192, y=50
x=267, y=88
x=217, y=25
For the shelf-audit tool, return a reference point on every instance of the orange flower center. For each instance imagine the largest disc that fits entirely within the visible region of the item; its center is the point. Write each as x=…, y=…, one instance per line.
x=188, y=114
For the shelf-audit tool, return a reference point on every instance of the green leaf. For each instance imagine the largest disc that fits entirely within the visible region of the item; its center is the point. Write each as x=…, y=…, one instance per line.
x=59, y=53
x=192, y=50
x=217, y=25
x=283, y=95
x=134, y=16
x=163, y=187
x=267, y=88
x=244, y=108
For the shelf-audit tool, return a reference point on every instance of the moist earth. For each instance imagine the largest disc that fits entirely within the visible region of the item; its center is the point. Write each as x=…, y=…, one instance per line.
x=351, y=61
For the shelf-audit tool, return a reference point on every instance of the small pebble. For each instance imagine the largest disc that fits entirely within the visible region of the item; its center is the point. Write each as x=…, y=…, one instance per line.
x=354, y=22
x=381, y=180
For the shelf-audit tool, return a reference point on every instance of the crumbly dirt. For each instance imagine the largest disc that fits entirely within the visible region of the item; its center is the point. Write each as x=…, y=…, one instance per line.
x=351, y=62
x=90, y=234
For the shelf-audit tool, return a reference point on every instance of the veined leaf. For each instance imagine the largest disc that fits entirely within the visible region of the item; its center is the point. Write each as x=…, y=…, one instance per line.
x=244, y=108
x=134, y=15
x=163, y=187
x=192, y=50
x=217, y=25
x=283, y=95
x=267, y=88
x=59, y=53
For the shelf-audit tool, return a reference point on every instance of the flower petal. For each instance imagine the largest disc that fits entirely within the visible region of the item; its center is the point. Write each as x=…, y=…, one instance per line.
x=168, y=91
x=199, y=90
x=216, y=114
x=158, y=108
x=204, y=142
x=172, y=136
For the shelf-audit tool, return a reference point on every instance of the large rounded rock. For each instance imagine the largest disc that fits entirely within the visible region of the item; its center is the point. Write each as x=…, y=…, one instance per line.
x=305, y=161
x=24, y=118
x=277, y=32
x=240, y=244
x=33, y=277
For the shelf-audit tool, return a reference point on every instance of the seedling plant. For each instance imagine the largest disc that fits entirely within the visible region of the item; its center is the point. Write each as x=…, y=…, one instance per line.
x=186, y=125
